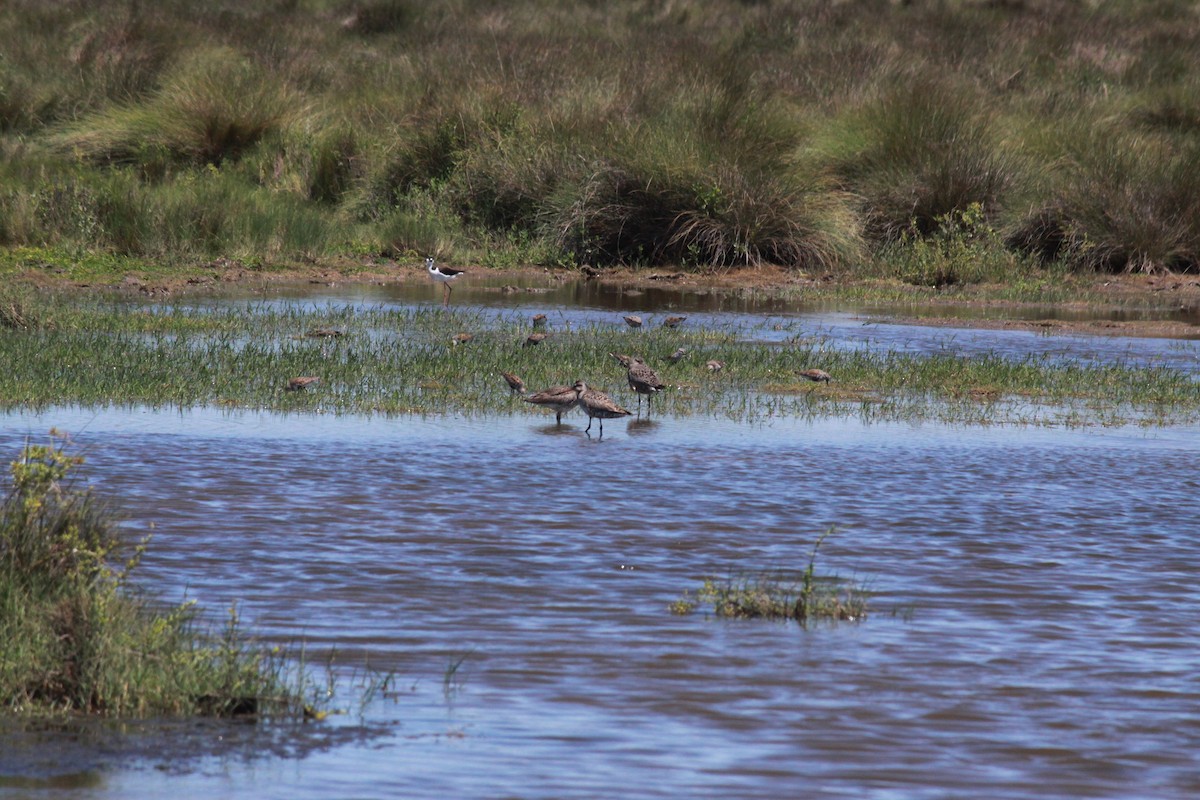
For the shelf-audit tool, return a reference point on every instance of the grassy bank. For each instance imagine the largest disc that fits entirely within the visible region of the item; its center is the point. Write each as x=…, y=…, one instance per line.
x=83, y=350
x=939, y=143
x=77, y=636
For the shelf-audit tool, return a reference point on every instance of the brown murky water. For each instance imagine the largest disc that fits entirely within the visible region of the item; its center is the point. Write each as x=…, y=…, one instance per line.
x=1032, y=630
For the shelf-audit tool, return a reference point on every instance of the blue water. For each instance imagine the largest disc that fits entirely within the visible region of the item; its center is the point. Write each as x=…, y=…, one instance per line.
x=1031, y=628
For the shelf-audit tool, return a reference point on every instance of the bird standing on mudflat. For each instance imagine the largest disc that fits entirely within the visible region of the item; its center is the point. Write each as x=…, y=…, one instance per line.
x=597, y=405
x=559, y=399
x=443, y=275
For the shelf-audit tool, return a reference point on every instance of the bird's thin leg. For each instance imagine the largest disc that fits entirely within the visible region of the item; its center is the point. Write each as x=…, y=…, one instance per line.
x=589, y=427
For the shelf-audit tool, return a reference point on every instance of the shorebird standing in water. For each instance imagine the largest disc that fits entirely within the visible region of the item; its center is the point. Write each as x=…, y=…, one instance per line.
x=673, y=322
x=539, y=320
x=443, y=275
x=597, y=405
x=559, y=399
x=818, y=375
x=642, y=379
x=633, y=321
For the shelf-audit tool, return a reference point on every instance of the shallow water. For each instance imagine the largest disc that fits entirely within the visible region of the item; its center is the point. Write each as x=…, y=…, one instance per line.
x=753, y=317
x=1031, y=632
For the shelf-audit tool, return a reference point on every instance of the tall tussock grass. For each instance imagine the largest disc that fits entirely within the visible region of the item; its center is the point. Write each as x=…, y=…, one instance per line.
x=213, y=107
x=79, y=639
x=1125, y=202
x=696, y=135
x=923, y=149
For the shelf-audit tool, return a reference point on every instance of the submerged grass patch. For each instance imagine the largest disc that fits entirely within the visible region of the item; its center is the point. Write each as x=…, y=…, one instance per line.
x=803, y=597
x=77, y=636
x=380, y=360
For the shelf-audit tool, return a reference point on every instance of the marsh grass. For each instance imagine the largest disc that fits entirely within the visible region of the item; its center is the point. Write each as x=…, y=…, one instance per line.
x=702, y=135
x=803, y=597
x=78, y=636
x=96, y=352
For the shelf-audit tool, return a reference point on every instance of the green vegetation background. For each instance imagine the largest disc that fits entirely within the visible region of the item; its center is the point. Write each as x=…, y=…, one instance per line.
x=937, y=142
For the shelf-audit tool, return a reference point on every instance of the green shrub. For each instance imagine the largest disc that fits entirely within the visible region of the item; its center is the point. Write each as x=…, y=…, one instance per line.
x=963, y=249
x=78, y=639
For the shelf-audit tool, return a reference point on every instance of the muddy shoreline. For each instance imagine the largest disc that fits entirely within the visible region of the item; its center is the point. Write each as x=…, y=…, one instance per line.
x=1165, y=295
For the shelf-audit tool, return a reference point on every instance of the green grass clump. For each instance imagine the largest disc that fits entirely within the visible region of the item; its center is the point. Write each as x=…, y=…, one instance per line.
x=803, y=598
x=78, y=639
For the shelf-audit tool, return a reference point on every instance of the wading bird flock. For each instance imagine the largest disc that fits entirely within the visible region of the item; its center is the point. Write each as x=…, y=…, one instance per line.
x=642, y=379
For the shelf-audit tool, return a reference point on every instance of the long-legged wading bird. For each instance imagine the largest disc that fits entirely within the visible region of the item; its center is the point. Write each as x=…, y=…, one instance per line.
x=597, y=405
x=641, y=378
x=443, y=275
x=559, y=399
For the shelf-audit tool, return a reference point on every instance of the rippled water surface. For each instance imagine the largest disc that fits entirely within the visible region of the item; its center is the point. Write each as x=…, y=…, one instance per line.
x=1032, y=628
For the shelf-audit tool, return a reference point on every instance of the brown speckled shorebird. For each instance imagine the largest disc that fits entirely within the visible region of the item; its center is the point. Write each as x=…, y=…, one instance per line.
x=463, y=338
x=624, y=359
x=535, y=338
x=539, y=320
x=559, y=399
x=713, y=365
x=301, y=383
x=633, y=321
x=675, y=357
x=514, y=382
x=642, y=379
x=597, y=405
x=673, y=322
x=818, y=375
